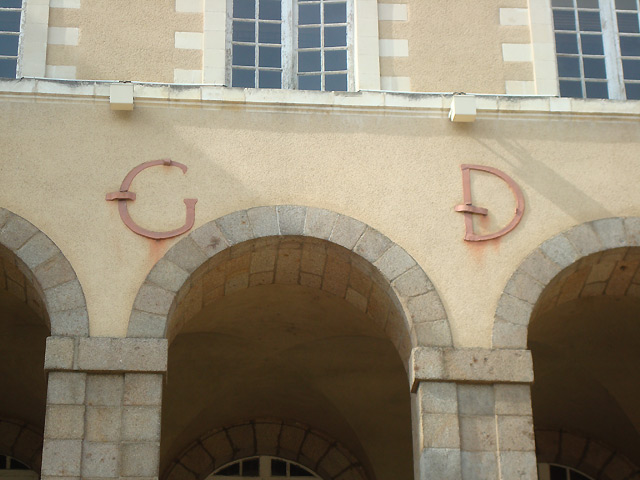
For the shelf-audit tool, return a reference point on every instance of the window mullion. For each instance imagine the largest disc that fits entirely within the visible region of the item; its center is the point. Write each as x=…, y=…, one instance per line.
x=289, y=37
x=611, y=41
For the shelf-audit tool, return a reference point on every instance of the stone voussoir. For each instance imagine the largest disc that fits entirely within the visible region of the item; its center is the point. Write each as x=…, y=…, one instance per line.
x=347, y=231
x=319, y=223
x=209, y=238
x=291, y=219
x=167, y=275
x=37, y=250
x=372, y=245
x=236, y=227
x=264, y=221
x=186, y=254
x=16, y=232
x=611, y=232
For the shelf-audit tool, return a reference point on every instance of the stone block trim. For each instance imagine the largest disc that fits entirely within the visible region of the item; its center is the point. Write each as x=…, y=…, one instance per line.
x=300, y=246
x=33, y=268
x=289, y=440
x=22, y=442
x=591, y=457
x=594, y=258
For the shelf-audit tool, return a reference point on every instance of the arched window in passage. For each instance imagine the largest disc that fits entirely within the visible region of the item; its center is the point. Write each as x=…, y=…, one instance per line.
x=12, y=469
x=263, y=467
x=549, y=471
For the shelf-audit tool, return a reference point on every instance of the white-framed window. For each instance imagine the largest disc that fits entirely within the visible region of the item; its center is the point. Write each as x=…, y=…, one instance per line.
x=263, y=467
x=550, y=471
x=10, y=23
x=293, y=44
x=12, y=469
x=597, y=48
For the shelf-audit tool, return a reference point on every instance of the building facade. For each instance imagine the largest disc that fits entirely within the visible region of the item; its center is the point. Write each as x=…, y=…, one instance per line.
x=246, y=239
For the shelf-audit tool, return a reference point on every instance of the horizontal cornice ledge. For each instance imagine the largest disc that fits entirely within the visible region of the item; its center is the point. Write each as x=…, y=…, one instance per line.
x=469, y=365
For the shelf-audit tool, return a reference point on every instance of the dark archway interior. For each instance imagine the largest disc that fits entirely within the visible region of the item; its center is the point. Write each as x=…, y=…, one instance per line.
x=297, y=354
x=585, y=341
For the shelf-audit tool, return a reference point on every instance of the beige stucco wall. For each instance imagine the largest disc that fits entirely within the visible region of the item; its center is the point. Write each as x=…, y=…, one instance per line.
x=399, y=173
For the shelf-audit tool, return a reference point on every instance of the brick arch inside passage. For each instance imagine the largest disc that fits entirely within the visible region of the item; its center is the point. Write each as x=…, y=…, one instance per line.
x=293, y=245
x=590, y=259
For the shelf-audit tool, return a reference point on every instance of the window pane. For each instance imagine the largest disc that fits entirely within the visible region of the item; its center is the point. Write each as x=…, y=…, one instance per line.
x=231, y=470
x=309, y=62
x=10, y=3
x=568, y=67
x=570, y=88
x=8, y=67
x=309, y=37
x=592, y=44
x=309, y=14
x=589, y=21
x=244, y=31
x=297, y=471
x=269, y=33
x=309, y=82
x=626, y=4
x=562, y=3
x=633, y=91
x=10, y=21
x=335, y=12
x=566, y=43
x=251, y=467
x=594, y=68
x=557, y=473
x=630, y=46
x=269, y=57
x=335, y=60
x=244, y=55
x=588, y=4
x=243, y=78
x=336, y=83
x=335, y=36
x=270, y=9
x=269, y=79
x=631, y=69
x=244, y=9
x=563, y=20
x=278, y=468
x=628, y=22
x=8, y=44
x=597, y=90
x=577, y=476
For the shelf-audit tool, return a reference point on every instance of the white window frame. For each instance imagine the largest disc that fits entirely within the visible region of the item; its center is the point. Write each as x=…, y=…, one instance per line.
x=264, y=470
x=545, y=474
x=289, y=44
x=544, y=52
x=365, y=65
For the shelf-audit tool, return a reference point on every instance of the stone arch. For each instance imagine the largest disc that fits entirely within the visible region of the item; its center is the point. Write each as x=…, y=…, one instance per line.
x=561, y=253
x=280, y=438
x=34, y=269
x=594, y=458
x=424, y=321
x=22, y=442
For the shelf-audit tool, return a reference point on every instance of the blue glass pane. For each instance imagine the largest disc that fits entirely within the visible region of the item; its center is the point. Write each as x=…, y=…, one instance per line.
x=269, y=33
x=270, y=9
x=244, y=31
x=630, y=46
x=337, y=83
x=8, y=67
x=562, y=3
x=309, y=14
x=633, y=91
x=631, y=69
x=626, y=4
x=335, y=12
x=10, y=21
x=570, y=88
x=594, y=68
x=597, y=90
x=628, y=22
x=335, y=36
x=335, y=60
x=270, y=57
x=592, y=44
x=244, y=9
x=588, y=4
x=311, y=82
x=243, y=78
x=10, y=3
x=9, y=45
x=568, y=67
x=589, y=21
x=566, y=43
x=244, y=55
x=269, y=79
x=309, y=37
x=564, y=20
x=309, y=62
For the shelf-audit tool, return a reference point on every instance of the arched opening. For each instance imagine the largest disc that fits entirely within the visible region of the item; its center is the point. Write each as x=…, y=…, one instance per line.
x=294, y=329
x=584, y=336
